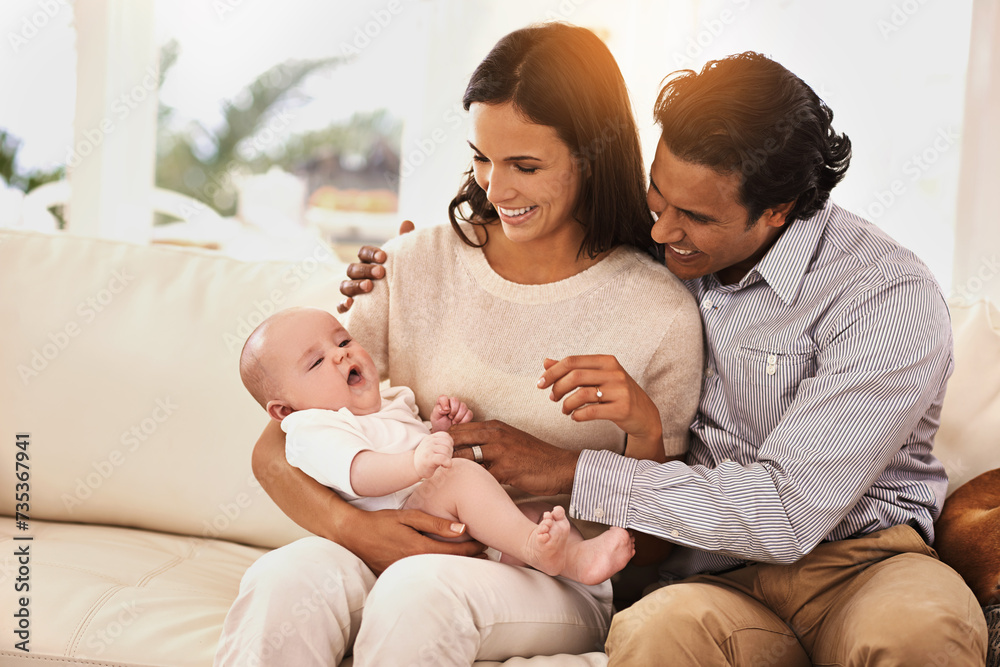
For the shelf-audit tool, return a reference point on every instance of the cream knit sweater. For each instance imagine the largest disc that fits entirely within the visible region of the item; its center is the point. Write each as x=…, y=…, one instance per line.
x=443, y=322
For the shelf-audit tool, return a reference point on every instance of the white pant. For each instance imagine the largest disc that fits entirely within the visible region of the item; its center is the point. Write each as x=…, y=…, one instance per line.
x=302, y=605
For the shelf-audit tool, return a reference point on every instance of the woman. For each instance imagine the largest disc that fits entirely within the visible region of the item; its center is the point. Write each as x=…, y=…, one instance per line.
x=543, y=259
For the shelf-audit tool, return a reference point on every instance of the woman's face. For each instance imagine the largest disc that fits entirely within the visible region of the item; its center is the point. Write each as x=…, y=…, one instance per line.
x=527, y=172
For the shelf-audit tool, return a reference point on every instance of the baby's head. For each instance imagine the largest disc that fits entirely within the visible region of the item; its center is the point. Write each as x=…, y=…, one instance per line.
x=302, y=358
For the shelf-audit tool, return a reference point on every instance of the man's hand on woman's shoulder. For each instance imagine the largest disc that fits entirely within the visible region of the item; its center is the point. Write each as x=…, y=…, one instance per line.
x=361, y=274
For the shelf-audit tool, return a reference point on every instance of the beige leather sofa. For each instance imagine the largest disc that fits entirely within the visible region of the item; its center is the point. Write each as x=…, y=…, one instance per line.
x=119, y=364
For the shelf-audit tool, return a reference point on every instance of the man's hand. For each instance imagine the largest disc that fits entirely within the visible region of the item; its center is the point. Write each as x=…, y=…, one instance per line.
x=433, y=452
x=362, y=273
x=382, y=537
x=578, y=379
x=516, y=458
x=447, y=412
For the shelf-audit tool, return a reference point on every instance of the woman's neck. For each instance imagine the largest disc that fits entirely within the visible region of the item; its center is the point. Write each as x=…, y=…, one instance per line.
x=536, y=262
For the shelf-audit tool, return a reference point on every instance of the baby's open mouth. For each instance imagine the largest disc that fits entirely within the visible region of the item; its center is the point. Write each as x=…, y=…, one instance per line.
x=354, y=377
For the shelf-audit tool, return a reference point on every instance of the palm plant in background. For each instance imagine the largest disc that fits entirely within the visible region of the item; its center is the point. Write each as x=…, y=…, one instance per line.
x=200, y=161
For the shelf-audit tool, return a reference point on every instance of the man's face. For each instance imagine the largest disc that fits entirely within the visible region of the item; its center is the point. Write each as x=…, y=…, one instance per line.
x=700, y=221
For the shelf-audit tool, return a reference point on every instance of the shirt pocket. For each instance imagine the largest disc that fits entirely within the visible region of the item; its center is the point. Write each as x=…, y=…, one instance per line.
x=770, y=378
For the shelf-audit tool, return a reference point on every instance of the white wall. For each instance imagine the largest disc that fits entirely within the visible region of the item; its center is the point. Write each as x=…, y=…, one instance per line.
x=977, y=233
x=893, y=72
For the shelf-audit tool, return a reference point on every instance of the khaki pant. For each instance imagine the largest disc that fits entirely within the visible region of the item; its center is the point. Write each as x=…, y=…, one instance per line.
x=883, y=599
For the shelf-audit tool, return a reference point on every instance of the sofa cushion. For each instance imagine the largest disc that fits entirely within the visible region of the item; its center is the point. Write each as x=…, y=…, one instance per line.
x=968, y=441
x=121, y=362
x=119, y=595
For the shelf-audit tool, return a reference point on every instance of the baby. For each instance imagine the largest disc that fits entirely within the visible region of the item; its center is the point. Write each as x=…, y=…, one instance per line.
x=370, y=446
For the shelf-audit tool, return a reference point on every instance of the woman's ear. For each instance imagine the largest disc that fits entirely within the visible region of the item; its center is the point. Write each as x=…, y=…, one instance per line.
x=278, y=410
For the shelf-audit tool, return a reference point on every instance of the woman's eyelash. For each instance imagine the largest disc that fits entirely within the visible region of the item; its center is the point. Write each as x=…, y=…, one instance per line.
x=523, y=170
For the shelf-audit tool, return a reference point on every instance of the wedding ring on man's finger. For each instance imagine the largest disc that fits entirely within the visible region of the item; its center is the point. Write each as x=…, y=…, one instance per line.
x=477, y=453
x=600, y=395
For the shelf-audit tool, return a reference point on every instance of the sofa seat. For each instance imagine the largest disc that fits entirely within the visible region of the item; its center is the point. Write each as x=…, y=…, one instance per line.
x=106, y=595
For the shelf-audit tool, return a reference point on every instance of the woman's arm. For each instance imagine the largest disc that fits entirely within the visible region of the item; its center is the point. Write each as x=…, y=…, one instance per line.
x=378, y=538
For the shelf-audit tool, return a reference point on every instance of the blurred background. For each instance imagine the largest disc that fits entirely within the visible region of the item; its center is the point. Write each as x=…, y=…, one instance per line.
x=253, y=126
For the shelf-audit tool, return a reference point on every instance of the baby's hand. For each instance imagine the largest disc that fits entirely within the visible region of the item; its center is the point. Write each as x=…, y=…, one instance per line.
x=433, y=452
x=447, y=412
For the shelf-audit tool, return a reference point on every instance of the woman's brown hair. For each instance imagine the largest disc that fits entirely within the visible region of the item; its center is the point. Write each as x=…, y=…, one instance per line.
x=564, y=77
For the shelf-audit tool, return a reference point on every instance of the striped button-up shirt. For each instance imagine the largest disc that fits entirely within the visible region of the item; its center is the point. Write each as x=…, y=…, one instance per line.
x=826, y=368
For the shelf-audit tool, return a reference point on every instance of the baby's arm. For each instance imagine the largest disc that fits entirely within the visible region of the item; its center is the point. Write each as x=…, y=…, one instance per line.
x=447, y=412
x=379, y=474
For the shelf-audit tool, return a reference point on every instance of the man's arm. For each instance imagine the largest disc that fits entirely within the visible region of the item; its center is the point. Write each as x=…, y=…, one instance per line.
x=516, y=458
x=878, y=374
x=378, y=538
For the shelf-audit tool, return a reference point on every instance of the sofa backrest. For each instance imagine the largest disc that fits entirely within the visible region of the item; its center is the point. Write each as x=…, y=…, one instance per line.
x=968, y=441
x=121, y=363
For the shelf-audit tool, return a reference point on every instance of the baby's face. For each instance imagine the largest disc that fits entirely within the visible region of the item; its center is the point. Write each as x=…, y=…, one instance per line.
x=316, y=364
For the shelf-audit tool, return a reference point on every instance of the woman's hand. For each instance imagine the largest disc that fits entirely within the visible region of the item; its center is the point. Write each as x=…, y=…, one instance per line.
x=578, y=379
x=382, y=537
x=362, y=273
x=516, y=458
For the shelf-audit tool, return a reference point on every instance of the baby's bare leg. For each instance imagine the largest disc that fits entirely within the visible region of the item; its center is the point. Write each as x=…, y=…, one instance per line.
x=468, y=493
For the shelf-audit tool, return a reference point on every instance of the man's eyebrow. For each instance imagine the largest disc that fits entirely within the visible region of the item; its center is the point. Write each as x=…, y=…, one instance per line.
x=512, y=158
x=701, y=217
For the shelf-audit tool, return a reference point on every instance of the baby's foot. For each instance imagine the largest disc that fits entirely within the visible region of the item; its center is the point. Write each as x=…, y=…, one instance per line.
x=592, y=561
x=546, y=549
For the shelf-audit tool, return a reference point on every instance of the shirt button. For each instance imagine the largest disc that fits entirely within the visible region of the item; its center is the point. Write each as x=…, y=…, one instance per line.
x=707, y=303
x=772, y=359
x=599, y=513
x=727, y=460
x=709, y=372
x=674, y=533
x=772, y=369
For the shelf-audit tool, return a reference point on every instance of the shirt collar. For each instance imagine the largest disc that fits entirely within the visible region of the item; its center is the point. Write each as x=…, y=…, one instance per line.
x=784, y=265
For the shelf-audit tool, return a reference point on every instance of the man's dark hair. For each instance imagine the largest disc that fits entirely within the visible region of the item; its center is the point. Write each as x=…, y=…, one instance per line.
x=564, y=77
x=748, y=114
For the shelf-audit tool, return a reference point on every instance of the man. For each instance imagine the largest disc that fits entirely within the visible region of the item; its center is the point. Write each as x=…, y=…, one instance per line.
x=805, y=506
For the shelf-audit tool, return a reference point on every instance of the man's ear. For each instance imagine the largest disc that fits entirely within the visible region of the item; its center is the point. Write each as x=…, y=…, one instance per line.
x=776, y=215
x=278, y=410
